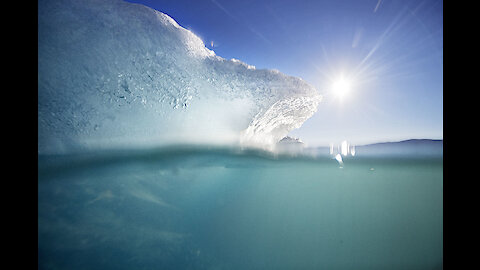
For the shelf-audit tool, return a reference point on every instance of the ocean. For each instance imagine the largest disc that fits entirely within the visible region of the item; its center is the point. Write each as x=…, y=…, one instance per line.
x=230, y=208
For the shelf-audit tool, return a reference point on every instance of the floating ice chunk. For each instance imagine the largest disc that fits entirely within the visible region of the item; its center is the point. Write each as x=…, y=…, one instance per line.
x=117, y=74
x=339, y=159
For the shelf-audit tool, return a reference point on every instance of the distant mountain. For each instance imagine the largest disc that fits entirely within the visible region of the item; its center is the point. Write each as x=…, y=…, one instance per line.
x=419, y=147
x=412, y=147
x=409, y=142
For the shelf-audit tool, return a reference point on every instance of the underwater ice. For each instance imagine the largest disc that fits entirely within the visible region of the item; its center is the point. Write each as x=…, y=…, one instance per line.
x=116, y=74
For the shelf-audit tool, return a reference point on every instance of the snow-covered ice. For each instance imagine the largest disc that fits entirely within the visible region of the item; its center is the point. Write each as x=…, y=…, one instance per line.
x=116, y=74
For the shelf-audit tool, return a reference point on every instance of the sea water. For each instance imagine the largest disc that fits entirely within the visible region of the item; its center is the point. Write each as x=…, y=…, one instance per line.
x=225, y=208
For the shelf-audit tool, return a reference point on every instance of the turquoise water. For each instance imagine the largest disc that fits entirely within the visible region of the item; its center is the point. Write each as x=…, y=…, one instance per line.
x=214, y=208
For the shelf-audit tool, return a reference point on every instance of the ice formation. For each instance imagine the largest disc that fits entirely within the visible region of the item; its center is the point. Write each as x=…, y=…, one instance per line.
x=117, y=74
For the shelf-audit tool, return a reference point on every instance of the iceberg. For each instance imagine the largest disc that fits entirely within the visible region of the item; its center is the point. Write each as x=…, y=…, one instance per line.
x=115, y=74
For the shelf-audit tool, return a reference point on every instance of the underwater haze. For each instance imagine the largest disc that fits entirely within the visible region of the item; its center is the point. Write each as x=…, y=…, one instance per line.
x=227, y=208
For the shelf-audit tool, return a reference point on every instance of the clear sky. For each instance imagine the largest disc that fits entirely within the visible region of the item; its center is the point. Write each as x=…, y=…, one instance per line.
x=389, y=53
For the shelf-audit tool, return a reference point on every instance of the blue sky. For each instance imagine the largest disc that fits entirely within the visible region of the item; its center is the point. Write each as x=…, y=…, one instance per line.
x=391, y=52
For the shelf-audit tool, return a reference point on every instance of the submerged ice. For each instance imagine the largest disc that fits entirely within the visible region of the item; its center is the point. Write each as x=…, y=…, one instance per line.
x=112, y=73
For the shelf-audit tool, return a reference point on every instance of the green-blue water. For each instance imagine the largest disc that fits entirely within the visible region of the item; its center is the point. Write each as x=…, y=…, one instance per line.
x=194, y=208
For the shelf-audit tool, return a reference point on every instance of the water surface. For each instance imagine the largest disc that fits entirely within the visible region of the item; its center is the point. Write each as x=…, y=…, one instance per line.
x=218, y=208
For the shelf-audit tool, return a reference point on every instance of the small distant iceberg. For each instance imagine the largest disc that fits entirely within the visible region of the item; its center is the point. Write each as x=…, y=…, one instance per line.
x=290, y=145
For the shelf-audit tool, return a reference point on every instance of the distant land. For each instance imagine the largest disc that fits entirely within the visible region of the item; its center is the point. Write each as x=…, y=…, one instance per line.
x=416, y=147
x=410, y=141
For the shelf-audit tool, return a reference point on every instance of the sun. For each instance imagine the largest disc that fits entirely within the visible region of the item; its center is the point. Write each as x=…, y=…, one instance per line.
x=341, y=87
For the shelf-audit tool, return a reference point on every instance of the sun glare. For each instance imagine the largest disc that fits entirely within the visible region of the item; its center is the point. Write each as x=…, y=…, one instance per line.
x=341, y=87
